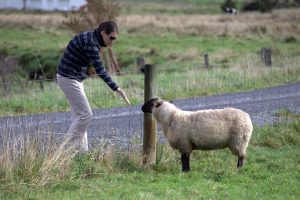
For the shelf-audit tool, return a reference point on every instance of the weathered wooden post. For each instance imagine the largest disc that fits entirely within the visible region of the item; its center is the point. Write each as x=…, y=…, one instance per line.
x=266, y=56
x=206, y=61
x=150, y=127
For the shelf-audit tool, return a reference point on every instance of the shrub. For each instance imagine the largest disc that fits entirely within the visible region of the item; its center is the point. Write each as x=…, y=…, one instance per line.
x=268, y=5
x=95, y=12
x=228, y=4
x=258, y=5
x=8, y=65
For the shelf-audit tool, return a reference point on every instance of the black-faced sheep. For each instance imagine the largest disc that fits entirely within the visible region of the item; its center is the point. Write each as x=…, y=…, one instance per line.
x=203, y=129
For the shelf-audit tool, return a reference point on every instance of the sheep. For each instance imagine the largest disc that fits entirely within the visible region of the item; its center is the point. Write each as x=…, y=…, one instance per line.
x=202, y=130
x=230, y=10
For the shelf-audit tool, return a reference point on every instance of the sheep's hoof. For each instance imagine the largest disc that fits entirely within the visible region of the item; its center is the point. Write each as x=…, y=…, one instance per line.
x=185, y=170
x=240, y=161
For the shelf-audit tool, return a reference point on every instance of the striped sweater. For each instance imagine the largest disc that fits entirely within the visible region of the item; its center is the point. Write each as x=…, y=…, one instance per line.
x=83, y=50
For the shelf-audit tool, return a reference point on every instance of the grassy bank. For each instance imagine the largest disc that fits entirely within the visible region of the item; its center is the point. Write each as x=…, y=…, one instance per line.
x=271, y=172
x=42, y=48
x=235, y=65
x=177, y=81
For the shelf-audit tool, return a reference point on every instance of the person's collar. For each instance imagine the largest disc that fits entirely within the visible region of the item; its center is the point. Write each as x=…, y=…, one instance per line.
x=99, y=37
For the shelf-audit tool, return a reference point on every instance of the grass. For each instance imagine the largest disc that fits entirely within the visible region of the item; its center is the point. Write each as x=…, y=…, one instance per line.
x=46, y=46
x=171, y=7
x=235, y=66
x=179, y=81
x=33, y=51
x=270, y=172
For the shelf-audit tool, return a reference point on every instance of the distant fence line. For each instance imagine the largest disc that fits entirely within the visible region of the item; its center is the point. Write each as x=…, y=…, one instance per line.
x=265, y=58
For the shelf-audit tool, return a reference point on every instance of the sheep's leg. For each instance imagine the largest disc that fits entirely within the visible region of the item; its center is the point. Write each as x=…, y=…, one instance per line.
x=185, y=161
x=240, y=161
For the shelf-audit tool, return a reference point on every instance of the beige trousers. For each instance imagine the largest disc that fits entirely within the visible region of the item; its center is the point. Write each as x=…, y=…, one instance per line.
x=80, y=109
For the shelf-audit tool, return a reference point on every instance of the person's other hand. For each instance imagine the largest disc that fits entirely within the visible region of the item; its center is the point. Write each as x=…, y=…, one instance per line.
x=91, y=71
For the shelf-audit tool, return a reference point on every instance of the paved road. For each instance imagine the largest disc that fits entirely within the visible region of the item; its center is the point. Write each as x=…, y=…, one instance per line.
x=124, y=126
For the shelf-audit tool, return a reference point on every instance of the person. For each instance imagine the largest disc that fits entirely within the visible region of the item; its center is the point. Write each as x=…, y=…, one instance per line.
x=81, y=52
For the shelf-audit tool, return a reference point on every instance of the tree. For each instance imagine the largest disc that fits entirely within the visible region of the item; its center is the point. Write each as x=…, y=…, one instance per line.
x=7, y=68
x=89, y=17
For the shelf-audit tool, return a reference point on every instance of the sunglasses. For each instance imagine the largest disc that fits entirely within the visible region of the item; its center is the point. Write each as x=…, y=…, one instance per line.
x=112, y=38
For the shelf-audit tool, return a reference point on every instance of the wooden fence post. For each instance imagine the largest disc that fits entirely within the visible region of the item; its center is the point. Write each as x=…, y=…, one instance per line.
x=206, y=60
x=266, y=56
x=150, y=127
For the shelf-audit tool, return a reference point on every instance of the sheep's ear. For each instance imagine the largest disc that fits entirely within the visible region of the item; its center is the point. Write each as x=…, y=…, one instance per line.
x=158, y=103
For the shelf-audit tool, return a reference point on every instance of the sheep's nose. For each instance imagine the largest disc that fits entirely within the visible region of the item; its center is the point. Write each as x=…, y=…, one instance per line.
x=146, y=108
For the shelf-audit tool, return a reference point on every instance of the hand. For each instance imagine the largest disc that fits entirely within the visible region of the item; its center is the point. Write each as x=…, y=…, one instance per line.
x=122, y=93
x=91, y=71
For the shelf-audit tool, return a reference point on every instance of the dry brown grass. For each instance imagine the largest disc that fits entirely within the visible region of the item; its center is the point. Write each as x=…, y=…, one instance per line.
x=41, y=158
x=34, y=158
x=32, y=20
x=185, y=56
x=279, y=23
x=282, y=23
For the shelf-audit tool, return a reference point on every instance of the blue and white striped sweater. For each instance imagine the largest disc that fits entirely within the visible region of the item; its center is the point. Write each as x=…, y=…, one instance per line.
x=83, y=50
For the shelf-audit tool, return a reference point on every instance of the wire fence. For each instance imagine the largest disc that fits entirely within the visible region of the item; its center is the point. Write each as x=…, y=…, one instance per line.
x=207, y=88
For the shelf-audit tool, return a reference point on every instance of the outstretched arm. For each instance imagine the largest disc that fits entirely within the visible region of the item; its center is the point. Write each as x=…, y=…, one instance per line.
x=92, y=53
x=103, y=74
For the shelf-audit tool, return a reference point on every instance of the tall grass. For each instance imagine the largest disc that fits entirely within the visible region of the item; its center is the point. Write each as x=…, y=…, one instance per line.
x=41, y=159
x=33, y=158
x=191, y=81
x=31, y=164
x=175, y=81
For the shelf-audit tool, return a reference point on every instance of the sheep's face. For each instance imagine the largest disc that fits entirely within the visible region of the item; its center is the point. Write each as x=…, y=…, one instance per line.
x=149, y=105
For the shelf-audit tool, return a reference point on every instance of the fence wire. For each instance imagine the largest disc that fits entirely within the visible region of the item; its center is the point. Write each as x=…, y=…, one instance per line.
x=209, y=88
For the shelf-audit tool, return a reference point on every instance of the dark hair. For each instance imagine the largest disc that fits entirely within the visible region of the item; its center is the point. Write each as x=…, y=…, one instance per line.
x=108, y=27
